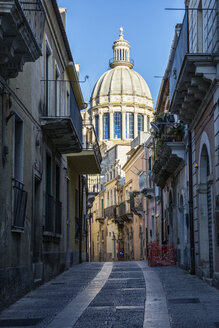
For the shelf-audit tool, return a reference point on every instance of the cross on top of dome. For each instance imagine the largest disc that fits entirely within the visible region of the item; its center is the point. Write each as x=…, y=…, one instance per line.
x=121, y=52
x=121, y=34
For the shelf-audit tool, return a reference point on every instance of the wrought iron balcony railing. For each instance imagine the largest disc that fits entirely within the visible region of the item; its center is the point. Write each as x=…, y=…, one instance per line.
x=35, y=15
x=64, y=128
x=19, y=207
x=91, y=142
x=110, y=212
x=136, y=204
x=124, y=211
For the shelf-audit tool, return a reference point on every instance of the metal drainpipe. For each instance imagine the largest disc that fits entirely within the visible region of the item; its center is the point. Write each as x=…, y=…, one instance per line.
x=162, y=218
x=146, y=202
x=80, y=219
x=67, y=226
x=192, y=246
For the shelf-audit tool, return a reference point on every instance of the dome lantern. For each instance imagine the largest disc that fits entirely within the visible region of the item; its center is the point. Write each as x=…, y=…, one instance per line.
x=121, y=52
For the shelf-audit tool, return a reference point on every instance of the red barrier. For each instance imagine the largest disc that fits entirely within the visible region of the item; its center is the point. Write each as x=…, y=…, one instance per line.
x=161, y=255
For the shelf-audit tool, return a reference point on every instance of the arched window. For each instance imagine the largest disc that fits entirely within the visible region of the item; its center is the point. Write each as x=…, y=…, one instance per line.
x=129, y=125
x=140, y=123
x=97, y=125
x=117, y=125
x=106, y=126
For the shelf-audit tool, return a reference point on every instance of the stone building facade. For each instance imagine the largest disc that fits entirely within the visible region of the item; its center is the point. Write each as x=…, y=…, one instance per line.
x=42, y=192
x=189, y=183
x=121, y=109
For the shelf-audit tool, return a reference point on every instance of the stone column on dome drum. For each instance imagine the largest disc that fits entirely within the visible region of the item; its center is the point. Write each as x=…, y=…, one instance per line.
x=111, y=125
x=135, y=125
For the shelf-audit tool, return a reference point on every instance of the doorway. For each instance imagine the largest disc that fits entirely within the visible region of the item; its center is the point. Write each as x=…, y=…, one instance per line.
x=37, y=233
x=205, y=215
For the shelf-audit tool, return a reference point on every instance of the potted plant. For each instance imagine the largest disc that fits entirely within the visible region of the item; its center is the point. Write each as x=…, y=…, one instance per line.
x=177, y=132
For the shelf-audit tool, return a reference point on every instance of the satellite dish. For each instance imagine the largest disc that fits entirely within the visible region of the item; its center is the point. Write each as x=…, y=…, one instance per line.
x=155, y=127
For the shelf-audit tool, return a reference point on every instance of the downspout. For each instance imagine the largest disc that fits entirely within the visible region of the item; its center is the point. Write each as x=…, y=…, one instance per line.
x=192, y=246
x=80, y=220
x=146, y=203
x=191, y=218
x=67, y=225
x=162, y=219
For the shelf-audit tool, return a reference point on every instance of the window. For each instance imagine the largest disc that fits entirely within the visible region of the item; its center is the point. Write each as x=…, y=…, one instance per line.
x=149, y=163
x=117, y=125
x=18, y=148
x=102, y=208
x=108, y=198
x=140, y=123
x=47, y=77
x=19, y=195
x=76, y=214
x=200, y=28
x=129, y=125
x=48, y=174
x=58, y=204
x=49, y=199
x=97, y=125
x=106, y=126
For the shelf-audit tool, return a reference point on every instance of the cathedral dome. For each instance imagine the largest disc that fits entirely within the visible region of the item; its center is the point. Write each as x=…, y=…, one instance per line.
x=120, y=81
x=121, y=102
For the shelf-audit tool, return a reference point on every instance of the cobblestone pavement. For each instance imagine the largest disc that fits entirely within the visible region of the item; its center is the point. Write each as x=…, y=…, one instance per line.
x=118, y=295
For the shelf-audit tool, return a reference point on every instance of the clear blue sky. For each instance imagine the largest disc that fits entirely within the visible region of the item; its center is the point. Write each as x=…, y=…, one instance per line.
x=93, y=26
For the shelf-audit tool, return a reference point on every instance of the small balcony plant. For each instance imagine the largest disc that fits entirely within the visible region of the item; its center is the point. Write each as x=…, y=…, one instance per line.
x=177, y=132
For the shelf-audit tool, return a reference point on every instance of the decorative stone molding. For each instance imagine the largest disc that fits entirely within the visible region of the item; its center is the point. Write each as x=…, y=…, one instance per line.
x=18, y=35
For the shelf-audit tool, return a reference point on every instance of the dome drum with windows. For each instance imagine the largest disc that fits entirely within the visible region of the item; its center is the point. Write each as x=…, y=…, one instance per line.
x=121, y=102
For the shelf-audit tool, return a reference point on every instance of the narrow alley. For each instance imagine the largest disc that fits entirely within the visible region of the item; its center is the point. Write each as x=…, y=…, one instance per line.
x=118, y=295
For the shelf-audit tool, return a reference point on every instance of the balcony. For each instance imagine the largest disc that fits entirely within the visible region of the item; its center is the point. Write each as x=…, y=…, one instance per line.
x=124, y=212
x=93, y=188
x=146, y=184
x=89, y=159
x=113, y=63
x=110, y=212
x=21, y=34
x=169, y=161
x=65, y=130
x=136, y=204
x=191, y=77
